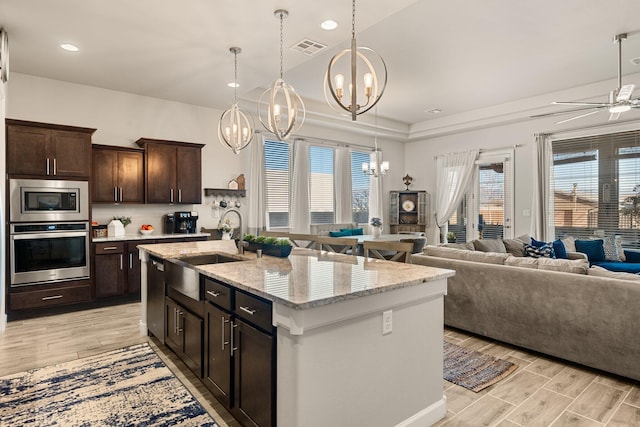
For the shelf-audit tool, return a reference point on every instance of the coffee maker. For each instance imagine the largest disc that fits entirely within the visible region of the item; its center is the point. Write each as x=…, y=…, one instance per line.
x=181, y=222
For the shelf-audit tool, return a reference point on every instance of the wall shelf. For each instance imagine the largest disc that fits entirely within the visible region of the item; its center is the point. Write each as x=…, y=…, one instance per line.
x=224, y=192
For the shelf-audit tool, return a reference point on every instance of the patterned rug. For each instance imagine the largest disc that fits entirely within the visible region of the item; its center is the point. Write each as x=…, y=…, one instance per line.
x=472, y=369
x=126, y=387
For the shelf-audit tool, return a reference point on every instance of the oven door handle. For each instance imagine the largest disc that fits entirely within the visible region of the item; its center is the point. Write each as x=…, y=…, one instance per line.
x=50, y=235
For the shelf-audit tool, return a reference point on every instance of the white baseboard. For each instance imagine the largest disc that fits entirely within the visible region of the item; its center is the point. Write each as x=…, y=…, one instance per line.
x=428, y=416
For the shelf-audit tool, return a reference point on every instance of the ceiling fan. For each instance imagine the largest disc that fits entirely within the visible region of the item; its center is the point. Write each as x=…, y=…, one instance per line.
x=619, y=98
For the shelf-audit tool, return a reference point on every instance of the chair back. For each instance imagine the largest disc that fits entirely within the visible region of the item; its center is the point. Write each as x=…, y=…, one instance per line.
x=342, y=245
x=391, y=251
x=302, y=240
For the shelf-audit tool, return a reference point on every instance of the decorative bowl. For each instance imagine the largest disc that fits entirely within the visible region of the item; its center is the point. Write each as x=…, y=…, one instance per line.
x=145, y=232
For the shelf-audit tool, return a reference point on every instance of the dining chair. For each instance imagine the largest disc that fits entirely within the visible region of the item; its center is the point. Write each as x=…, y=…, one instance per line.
x=274, y=233
x=340, y=245
x=302, y=240
x=390, y=251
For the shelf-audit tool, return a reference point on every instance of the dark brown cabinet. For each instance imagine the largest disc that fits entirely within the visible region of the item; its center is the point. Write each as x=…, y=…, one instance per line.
x=240, y=356
x=48, y=150
x=184, y=334
x=173, y=171
x=109, y=269
x=408, y=211
x=117, y=175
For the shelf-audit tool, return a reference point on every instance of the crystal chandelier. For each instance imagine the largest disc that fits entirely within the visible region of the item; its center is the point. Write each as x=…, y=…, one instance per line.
x=235, y=128
x=285, y=111
x=374, y=81
x=372, y=168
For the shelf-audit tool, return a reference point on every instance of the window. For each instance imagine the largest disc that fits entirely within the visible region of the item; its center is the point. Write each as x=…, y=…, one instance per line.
x=596, y=186
x=359, y=187
x=490, y=200
x=278, y=158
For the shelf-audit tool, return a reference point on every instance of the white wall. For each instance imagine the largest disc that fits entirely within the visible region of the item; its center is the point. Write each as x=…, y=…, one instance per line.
x=121, y=118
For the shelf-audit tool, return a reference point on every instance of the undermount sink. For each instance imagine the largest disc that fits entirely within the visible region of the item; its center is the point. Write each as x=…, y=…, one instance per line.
x=181, y=275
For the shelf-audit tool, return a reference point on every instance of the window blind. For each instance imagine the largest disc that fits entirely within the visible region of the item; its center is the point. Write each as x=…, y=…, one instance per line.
x=321, y=190
x=359, y=187
x=277, y=159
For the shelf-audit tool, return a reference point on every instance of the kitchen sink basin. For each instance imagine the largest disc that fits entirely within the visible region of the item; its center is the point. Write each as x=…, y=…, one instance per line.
x=180, y=273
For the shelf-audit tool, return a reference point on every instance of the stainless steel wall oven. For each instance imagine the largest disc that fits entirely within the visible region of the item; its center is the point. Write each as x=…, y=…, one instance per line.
x=48, y=252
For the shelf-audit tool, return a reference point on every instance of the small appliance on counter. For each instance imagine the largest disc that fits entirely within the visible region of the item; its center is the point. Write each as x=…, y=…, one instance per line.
x=182, y=222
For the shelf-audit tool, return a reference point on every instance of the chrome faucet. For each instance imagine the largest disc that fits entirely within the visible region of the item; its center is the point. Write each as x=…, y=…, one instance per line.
x=237, y=212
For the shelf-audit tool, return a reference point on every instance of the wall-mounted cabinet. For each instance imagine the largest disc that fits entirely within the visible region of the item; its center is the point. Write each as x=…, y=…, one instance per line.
x=48, y=150
x=409, y=211
x=117, y=174
x=173, y=171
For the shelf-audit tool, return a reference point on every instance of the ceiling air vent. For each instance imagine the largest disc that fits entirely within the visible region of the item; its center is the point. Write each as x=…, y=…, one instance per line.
x=308, y=47
x=635, y=61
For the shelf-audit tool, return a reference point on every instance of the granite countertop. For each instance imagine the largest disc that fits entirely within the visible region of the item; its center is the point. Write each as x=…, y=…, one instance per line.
x=152, y=236
x=305, y=279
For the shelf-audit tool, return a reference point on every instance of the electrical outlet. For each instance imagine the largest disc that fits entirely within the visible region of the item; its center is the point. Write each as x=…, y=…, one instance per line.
x=387, y=322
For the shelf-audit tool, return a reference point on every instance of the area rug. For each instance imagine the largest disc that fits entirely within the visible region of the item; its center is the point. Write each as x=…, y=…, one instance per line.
x=126, y=387
x=472, y=369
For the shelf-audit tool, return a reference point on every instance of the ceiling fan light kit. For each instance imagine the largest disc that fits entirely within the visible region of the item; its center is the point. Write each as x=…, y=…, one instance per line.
x=619, y=99
x=285, y=112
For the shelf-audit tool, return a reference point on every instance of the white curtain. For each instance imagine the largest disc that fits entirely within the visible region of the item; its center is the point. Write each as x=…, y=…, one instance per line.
x=300, y=214
x=344, y=204
x=542, y=226
x=454, y=173
x=257, y=199
x=375, y=190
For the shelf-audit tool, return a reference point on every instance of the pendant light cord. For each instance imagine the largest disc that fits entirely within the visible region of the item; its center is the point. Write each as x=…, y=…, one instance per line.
x=235, y=78
x=353, y=19
x=281, y=43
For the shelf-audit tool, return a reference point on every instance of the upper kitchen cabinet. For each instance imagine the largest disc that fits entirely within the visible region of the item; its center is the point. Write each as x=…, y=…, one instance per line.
x=48, y=150
x=173, y=171
x=117, y=174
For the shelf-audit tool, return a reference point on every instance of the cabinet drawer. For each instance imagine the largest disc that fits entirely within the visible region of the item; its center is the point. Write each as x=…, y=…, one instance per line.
x=50, y=297
x=254, y=310
x=109, y=248
x=218, y=293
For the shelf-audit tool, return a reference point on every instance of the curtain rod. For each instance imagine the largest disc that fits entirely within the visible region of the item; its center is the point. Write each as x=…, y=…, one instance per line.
x=485, y=150
x=324, y=141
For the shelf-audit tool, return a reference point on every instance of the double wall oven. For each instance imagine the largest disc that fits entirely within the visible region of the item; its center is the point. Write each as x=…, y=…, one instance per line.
x=49, y=231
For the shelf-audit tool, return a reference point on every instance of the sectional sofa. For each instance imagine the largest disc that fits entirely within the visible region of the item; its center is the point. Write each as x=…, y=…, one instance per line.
x=561, y=308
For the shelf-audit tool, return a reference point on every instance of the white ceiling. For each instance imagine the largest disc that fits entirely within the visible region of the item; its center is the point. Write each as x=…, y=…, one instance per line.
x=456, y=55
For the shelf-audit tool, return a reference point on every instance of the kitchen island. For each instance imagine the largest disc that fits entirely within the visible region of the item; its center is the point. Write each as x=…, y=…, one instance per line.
x=357, y=341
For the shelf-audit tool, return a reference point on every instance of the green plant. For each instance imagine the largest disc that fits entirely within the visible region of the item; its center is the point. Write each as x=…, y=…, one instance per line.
x=270, y=240
x=249, y=237
x=260, y=239
x=283, y=242
x=451, y=236
x=125, y=220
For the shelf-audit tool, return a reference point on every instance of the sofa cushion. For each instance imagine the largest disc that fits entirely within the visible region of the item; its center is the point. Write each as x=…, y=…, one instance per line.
x=569, y=243
x=559, y=250
x=625, y=267
x=467, y=245
x=578, y=266
x=593, y=249
x=544, y=251
x=521, y=261
x=444, y=252
x=632, y=255
x=612, y=246
x=340, y=233
x=603, y=272
x=490, y=245
x=514, y=246
x=352, y=231
x=486, y=257
x=465, y=255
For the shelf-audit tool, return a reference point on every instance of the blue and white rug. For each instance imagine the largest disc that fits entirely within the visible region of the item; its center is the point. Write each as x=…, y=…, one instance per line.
x=126, y=387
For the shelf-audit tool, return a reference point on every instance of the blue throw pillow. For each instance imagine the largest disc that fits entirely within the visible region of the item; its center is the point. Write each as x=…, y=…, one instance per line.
x=559, y=250
x=594, y=249
x=544, y=251
x=537, y=243
x=346, y=232
x=354, y=231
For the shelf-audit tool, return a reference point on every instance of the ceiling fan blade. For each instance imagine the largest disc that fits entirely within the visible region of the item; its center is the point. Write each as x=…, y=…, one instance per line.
x=625, y=93
x=578, y=117
x=614, y=116
x=593, y=104
x=557, y=113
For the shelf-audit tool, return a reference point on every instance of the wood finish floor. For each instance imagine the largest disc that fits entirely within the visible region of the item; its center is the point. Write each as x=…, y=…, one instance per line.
x=541, y=392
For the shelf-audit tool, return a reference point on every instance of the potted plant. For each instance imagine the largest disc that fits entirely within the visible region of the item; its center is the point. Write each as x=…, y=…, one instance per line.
x=376, y=226
x=274, y=246
x=451, y=237
x=226, y=229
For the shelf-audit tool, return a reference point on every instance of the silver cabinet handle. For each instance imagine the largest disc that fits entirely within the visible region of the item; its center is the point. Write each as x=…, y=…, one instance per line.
x=180, y=313
x=233, y=348
x=171, y=195
x=223, y=321
x=248, y=310
x=51, y=297
x=179, y=195
x=121, y=195
x=214, y=294
x=110, y=248
x=55, y=167
x=48, y=169
x=121, y=262
x=115, y=194
x=131, y=261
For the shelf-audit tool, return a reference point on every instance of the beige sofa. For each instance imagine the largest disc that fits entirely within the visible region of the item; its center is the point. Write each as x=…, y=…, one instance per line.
x=590, y=318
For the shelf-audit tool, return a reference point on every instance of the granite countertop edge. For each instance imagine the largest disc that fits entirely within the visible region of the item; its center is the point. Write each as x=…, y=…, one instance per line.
x=128, y=237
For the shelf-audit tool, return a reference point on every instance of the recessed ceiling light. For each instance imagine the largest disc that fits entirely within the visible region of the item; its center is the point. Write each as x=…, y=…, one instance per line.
x=434, y=111
x=329, y=25
x=233, y=84
x=69, y=47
